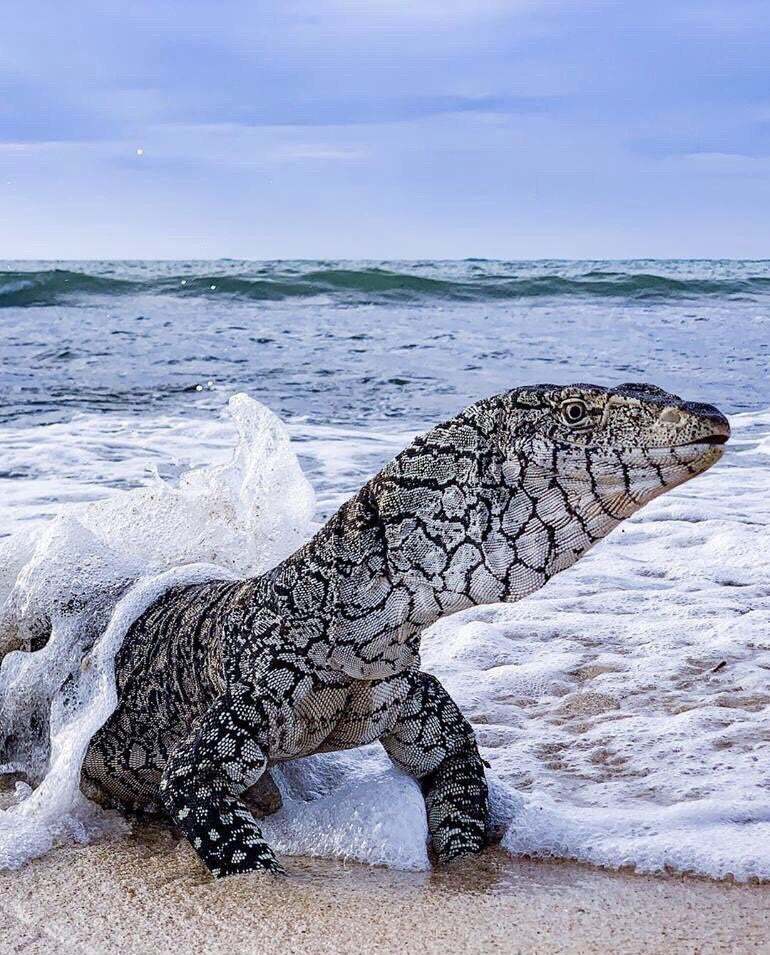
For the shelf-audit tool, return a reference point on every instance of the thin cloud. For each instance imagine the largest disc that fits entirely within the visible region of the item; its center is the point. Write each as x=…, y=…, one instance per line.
x=541, y=127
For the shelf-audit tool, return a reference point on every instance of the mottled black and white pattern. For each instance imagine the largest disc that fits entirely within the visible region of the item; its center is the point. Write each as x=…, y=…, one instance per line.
x=219, y=681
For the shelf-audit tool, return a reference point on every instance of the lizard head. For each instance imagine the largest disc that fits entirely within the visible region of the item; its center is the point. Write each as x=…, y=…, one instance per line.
x=492, y=503
x=626, y=444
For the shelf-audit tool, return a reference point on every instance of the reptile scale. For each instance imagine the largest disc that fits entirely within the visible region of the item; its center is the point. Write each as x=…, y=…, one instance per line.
x=219, y=681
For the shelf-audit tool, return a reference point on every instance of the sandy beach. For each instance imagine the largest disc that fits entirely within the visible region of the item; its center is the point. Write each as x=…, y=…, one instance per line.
x=148, y=893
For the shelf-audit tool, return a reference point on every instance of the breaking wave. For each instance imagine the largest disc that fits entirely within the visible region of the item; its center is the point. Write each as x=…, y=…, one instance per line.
x=471, y=283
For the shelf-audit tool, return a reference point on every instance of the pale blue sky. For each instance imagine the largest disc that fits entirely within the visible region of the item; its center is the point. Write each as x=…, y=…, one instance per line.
x=385, y=128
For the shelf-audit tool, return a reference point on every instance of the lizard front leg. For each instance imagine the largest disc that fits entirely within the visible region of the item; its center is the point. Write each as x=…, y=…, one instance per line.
x=432, y=741
x=203, y=781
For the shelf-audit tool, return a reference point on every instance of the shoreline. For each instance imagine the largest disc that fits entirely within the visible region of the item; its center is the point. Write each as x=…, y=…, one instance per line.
x=147, y=892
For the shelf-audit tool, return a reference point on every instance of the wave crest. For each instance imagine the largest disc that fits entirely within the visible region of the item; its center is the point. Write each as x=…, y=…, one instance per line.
x=374, y=284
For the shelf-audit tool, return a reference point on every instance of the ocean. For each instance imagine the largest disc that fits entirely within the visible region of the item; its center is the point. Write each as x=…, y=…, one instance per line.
x=625, y=708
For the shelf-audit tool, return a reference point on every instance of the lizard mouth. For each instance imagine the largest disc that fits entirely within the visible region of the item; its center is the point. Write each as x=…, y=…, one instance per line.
x=706, y=439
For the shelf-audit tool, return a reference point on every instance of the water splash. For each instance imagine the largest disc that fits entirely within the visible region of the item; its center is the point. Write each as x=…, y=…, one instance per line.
x=88, y=576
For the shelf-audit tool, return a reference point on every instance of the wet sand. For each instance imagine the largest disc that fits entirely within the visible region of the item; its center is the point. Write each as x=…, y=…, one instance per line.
x=147, y=893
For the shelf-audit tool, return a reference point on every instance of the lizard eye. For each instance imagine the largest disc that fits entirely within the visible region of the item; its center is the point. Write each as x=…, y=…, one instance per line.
x=574, y=411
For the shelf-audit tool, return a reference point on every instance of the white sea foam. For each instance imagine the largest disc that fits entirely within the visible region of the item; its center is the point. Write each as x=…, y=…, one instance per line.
x=352, y=805
x=46, y=468
x=624, y=709
x=94, y=570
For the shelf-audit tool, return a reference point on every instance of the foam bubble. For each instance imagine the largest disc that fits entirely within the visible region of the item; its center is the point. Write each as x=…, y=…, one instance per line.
x=354, y=806
x=709, y=837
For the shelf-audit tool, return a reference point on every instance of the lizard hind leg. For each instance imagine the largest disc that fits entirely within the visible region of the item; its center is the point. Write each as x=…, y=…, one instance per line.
x=433, y=742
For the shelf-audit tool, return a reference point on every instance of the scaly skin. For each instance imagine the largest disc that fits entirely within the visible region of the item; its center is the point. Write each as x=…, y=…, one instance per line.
x=216, y=682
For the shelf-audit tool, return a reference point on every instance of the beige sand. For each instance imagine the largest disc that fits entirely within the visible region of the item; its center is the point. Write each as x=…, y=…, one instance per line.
x=148, y=893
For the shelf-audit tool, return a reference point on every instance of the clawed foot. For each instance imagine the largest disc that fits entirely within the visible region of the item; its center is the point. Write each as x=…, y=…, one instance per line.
x=243, y=861
x=458, y=850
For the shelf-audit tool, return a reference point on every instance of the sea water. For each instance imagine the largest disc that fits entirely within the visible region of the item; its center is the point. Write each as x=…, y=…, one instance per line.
x=624, y=709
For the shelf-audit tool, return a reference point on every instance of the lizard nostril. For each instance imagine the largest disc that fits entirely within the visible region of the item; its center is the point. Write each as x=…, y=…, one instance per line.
x=670, y=416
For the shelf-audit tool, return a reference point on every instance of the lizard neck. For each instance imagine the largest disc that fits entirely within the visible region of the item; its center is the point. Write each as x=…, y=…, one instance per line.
x=449, y=524
x=344, y=601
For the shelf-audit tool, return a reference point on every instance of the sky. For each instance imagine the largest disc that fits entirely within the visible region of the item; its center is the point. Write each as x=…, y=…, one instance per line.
x=398, y=129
